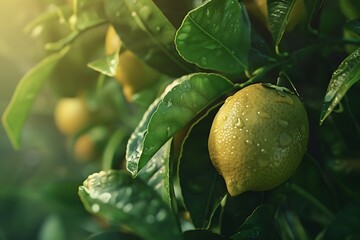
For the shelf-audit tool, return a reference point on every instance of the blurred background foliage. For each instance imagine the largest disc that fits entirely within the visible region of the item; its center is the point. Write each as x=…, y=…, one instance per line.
x=39, y=182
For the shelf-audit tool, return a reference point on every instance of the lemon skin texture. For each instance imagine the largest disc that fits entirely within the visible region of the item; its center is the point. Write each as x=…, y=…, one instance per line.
x=258, y=138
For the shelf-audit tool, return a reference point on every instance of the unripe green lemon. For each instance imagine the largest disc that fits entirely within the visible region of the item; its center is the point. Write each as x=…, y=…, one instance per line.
x=258, y=138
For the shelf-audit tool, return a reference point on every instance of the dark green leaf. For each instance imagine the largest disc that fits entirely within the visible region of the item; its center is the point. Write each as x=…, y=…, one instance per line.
x=25, y=94
x=112, y=235
x=279, y=12
x=346, y=75
x=117, y=197
x=315, y=15
x=289, y=224
x=201, y=186
x=202, y=234
x=346, y=223
x=259, y=225
x=354, y=26
x=189, y=96
x=217, y=30
x=175, y=11
x=148, y=33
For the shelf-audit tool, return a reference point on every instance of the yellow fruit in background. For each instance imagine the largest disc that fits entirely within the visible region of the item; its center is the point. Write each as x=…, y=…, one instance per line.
x=257, y=10
x=85, y=148
x=258, y=138
x=89, y=145
x=132, y=73
x=71, y=115
x=112, y=41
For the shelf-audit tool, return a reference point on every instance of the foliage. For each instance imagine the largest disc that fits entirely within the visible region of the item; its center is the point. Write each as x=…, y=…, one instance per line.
x=155, y=179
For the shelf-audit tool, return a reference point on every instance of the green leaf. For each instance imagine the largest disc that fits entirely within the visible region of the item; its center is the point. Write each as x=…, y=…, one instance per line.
x=52, y=15
x=202, y=234
x=148, y=33
x=354, y=26
x=259, y=225
x=106, y=65
x=189, y=96
x=156, y=173
x=87, y=13
x=202, y=187
x=346, y=75
x=52, y=228
x=114, y=149
x=289, y=223
x=25, y=94
x=123, y=200
x=217, y=30
x=279, y=12
x=346, y=224
x=112, y=235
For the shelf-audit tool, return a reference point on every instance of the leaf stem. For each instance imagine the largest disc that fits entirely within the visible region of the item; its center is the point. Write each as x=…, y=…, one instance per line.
x=296, y=188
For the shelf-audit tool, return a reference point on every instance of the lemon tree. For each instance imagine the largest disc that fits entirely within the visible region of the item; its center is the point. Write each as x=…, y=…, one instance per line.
x=219, y=119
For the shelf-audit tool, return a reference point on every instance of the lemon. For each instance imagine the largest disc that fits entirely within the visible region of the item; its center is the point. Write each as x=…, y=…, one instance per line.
x=71, y=115
x=131, y=72
x=258, y=138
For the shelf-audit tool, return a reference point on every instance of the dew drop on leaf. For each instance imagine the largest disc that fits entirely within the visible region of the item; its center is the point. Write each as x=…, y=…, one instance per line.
x=182, y=36
x=105, y=197
x=203, y=60
x=145, y=12
x=95, y=208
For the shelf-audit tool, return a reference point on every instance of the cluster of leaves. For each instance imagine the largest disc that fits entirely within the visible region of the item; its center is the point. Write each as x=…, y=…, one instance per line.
x=210, y=49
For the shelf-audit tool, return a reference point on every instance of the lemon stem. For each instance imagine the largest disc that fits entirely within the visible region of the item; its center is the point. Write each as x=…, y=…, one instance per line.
x=312, y=199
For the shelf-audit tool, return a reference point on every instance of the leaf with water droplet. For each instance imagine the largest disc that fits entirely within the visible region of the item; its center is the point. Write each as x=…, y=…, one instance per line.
x=26, y=91
x=226, y=32
x=106, y=65
x=279, y=12
x=346, y=75
x=107, y=194
x=156, y=173
x=148, y=33
x=162, y=120
x=200, y=183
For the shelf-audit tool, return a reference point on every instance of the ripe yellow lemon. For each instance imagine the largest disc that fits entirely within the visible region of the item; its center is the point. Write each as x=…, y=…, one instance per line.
x=71, y=115
x=258, y=138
